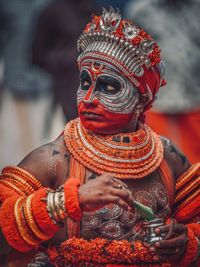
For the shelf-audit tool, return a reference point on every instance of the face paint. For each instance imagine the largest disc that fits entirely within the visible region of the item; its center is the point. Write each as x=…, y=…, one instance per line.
x=115, y=92
x=106, y=99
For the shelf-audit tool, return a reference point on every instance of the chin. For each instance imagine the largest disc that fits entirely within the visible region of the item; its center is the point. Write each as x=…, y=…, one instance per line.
x=101, y=127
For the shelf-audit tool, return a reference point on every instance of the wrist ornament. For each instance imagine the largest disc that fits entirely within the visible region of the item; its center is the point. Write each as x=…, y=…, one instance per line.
x=25, y=221
x=191, y=251
x=71, y=199
x=56, y=206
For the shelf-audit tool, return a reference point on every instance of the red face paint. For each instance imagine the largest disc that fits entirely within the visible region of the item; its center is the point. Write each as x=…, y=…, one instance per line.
x=94, y=117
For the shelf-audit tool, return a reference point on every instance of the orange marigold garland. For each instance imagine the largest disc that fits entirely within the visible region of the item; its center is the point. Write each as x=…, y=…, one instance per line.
x=75, y=252
x=71, y=199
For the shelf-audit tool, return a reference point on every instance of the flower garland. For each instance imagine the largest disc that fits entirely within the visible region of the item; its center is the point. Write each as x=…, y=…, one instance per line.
x=75, y=252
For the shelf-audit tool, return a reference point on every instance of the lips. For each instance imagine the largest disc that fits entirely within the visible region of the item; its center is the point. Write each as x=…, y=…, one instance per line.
x=90, y=115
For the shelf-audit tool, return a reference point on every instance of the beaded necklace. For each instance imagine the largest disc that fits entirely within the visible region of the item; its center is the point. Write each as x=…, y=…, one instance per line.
x=126, y=155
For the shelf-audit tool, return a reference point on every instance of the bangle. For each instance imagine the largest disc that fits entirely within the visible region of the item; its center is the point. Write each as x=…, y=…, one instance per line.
x=31, y=221
x=9, y=226
x=28, y=177
x=71, y=199
x=21, y=225
x=195, y=227
x=190, y=252
x=12, y=187
x=55, y=206
x=19, y=182
x=198, y=252
x=41, y=215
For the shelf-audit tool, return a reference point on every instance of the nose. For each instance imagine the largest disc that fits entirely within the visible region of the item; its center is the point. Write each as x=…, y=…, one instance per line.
x=89, y=97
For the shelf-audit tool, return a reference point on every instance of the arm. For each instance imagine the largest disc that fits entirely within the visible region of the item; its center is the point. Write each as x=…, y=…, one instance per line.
x=91, y=196
x=48, y=163
x=182, y=245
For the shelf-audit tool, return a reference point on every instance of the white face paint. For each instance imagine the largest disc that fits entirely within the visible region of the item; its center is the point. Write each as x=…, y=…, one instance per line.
x=103, y=82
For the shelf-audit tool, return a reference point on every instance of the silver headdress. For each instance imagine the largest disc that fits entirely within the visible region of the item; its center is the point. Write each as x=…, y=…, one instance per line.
x=120, y=42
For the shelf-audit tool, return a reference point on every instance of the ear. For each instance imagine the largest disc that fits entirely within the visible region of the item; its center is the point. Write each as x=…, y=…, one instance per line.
x=143, y=100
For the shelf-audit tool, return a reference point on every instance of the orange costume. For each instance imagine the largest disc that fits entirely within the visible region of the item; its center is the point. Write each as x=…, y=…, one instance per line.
x=31, y=214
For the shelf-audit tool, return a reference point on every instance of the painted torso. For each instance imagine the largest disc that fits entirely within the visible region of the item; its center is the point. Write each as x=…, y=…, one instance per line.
x=112, y=222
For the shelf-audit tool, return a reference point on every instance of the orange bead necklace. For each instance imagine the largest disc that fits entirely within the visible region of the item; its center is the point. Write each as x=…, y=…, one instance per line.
x=124, y=155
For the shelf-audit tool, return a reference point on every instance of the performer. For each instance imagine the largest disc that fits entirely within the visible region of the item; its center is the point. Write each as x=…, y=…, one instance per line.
x=73, y=198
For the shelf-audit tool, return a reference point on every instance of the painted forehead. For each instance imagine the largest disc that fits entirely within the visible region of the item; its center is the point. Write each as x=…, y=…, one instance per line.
x=98, y=67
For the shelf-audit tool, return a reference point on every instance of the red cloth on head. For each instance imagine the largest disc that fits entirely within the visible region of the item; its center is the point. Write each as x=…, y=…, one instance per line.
x=150, y=83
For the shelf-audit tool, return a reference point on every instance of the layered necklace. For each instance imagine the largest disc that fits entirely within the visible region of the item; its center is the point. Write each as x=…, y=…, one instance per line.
x=124, y=155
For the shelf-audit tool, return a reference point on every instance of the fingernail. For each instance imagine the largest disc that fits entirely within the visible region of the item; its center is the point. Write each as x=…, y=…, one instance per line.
x=157, y=230
x=152, y=249
x=157, y=244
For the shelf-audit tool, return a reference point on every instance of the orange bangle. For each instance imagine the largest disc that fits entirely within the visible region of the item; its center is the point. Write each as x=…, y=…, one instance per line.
x=190, y=251
x=187, y=189
x=19, y=182
x=195, y=227
x=71, y=199
x=23, y=174
x=21, y=225
x=187, y=176
x=30, y=220
x=10, y=228
x=12, y=187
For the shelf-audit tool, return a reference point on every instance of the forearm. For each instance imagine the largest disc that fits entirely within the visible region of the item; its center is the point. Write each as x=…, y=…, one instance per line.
x=29, y=217
x=187, y=211
x=25, y=222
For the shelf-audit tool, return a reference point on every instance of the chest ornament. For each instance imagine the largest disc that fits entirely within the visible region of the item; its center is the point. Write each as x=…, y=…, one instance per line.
x=125, y=155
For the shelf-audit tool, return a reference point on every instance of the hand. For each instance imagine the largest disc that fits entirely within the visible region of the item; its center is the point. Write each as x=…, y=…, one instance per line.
x=40, y=260
x=172, y=248
x=104, y=190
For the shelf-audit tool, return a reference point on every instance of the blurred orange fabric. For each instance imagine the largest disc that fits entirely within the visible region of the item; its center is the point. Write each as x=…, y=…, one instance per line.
x=182, y=129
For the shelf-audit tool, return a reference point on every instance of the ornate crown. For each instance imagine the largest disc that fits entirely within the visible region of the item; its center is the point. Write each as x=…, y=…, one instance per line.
x=119, y=42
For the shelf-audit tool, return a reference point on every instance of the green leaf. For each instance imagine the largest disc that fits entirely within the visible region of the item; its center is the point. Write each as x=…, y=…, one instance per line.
x=144, y=211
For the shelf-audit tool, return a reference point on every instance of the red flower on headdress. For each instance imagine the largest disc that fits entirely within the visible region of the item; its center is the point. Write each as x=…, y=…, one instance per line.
x=136, y=40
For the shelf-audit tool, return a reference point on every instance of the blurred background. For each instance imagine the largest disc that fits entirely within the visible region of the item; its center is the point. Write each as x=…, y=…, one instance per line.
x=39, y=75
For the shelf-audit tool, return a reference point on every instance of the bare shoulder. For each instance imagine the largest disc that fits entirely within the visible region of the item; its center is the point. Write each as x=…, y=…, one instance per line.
x=48, y=163
x=178, y=162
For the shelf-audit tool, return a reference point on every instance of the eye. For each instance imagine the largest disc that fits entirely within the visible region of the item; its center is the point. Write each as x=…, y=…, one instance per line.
x=85, y=84
x=85, y=80
x=110, y=88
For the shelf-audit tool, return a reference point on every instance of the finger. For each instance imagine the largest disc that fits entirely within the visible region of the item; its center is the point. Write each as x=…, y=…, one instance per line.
x=165, y=251
x=42, y=258
x=173, y=242
x=178, y=228
x=119, y=182
x=36, y=264
x=118, y=201
x=165, y=258
x=107, y=178
x=147, y=245
x=124, y=195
